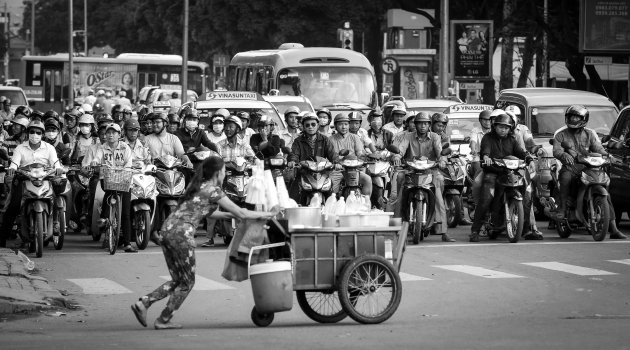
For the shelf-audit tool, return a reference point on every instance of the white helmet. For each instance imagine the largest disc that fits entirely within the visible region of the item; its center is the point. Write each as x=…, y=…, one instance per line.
x=514, y=110
x=496, y=112
x=87, y=108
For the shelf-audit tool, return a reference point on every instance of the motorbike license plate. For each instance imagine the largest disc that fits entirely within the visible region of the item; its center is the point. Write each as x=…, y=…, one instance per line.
x=240, y=183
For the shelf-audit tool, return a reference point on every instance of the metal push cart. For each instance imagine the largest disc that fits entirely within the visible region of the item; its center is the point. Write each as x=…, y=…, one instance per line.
x=344, y=271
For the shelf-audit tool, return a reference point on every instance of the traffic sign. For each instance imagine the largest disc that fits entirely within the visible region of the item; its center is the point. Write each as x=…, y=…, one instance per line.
x=598, y=60
x=389, y=65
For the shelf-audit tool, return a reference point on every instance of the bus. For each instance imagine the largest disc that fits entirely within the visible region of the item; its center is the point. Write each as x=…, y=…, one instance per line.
x=339, y=79
x=45, y=78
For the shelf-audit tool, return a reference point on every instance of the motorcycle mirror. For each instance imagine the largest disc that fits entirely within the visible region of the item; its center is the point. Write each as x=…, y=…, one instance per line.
x=551, y=142
x=393, y=149
x=605, y=138
x=446, y=145
x=344, y=152
x=446, y=151
x=536, y=149
x=467, y=139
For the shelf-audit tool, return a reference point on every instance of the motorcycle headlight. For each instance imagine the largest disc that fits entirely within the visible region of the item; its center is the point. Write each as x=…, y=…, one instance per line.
x=327, y=185
x=511, y=163
x=306, y=186
x=84, y=180
x=162, y=187
x=179, y=187
x=276, y=161
x=595, y=161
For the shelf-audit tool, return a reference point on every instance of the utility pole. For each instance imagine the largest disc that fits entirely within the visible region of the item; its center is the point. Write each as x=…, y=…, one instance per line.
x=544, y=55
x=85, y=27
x=32, y=27
x=184, y=79
x=444, y=76
x=71, y=59
x=7, y=37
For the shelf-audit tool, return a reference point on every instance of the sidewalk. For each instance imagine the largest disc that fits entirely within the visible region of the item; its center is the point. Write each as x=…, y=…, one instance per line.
x=22, y=291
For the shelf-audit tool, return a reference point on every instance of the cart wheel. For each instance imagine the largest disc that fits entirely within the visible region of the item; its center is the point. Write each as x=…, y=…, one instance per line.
x=322, y=307
x=370, y=289
x=261, y=320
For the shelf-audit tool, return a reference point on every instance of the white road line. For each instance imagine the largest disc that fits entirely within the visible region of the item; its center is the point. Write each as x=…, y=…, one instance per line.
x=99, y=286
x=407, y=277
x=622, y=261
x=477, y=271
x=572, y=269
x=202, y=283
x=507, y=244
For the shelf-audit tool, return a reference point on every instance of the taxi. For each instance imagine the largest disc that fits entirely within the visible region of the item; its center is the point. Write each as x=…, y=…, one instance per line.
x=283, y=102
x=462, y=118
x=236, y=101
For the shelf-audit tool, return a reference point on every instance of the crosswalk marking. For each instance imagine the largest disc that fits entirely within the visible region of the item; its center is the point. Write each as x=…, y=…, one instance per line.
x=573, y=269
x=202, y=283
x=622, y=261
x=477, y=271
x=99, y=286
x=407, y=277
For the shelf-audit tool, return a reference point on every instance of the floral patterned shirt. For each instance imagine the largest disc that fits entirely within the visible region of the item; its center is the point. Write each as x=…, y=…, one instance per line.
x=192, y=211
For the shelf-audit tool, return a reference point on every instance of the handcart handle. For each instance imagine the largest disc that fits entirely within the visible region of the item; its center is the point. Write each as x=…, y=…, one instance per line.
x=261, y=247
x=402, y=242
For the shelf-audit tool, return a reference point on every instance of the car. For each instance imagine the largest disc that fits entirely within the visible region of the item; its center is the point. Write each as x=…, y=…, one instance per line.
x=414, y=106
x=16, y=95
x=619, y=149
x=542, y=110
x=236, y=101
x=462, y=118
x=283, y=102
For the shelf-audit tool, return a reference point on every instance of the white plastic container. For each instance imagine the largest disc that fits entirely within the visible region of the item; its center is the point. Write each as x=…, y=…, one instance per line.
x=272, y=286
x=303, y=217
x=371, y=219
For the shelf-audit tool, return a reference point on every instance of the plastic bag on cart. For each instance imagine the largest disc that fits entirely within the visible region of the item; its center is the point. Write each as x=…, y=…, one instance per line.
x=249, y=233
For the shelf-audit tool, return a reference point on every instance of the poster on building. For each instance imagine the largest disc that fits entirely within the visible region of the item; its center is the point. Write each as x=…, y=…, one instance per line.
x=112, y=77
x=605, y=26
x=471, y=48
x=412, y=83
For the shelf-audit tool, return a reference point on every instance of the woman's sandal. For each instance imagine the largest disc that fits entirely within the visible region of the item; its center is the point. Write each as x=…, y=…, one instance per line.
x=166, y=325
x=141, y=312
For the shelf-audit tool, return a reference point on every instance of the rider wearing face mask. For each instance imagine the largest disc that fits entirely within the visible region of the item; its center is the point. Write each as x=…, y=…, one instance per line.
x=325, y=117
x=31, y=151
x=85, y=138
x=380, y=137
x=52, y=136
x=247, y=132
x=190, y=135
x=216, y=134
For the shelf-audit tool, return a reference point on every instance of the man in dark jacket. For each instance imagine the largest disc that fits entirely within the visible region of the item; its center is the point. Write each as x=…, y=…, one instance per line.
x=190, y=135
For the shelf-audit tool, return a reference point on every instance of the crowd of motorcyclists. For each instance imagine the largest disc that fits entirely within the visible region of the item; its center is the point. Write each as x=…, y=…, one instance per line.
x=397, y=161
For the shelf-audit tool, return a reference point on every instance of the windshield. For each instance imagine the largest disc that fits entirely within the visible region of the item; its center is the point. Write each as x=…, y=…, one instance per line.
x=461, y=126
x=16, y=97
x=546, y=120
x=283, y=106
x=430, y=110
x=328, y=85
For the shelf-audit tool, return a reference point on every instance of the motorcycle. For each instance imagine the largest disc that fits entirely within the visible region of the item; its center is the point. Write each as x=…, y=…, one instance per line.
x=454, y=175
x=143, y=203
x=419, y=184
x=591, y=206
x=380, y=171
x=170, y=182
x=62, y=189
x=315, y=182
x=351, y=172
x=511, y=200
x=80, y=183
x=237, y=174
x=37, y=204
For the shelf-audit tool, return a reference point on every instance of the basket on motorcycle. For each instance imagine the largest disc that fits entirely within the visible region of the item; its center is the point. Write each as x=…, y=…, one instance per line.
x=116, y=179
x=59, y=184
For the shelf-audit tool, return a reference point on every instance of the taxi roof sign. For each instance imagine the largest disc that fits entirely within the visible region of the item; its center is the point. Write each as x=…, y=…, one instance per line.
x=231, y=95
x=468, y=108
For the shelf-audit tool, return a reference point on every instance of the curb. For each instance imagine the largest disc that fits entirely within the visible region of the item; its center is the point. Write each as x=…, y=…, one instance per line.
x=21, y=292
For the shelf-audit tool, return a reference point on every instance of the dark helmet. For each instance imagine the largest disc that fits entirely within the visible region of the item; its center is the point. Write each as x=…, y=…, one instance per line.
x=117, y=113
x=73, y=113
x=243, y=115
x=485, y=114
x=51, y=114
x=577, y=110
x=422, y=117
x=173, y=118
x=161, y=116
x=377, y=112
x=132, y=124
x=104, y=118
x=439, y=118
x=98, y=108
x=184, y=111
x=504, y=119
x=142, y=112
x=23, y=110
x=400, y=109
x=52, y=123
x=37, y=115
x=325, y=111
x=355, y=116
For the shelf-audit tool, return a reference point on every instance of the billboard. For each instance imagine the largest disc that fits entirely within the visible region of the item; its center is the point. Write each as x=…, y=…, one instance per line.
x=106, y=76
x=471, y=49
x=605, y=26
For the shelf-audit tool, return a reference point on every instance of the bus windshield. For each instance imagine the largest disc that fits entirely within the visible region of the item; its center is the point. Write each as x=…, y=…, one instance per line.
x=328, y=85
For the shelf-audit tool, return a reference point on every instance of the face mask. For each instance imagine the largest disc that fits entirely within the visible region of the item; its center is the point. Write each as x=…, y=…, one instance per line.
x=34, y=138
x=192, y=124
x=85, y=130
x=323, y=121
x=51, y=135
x=217, y=128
